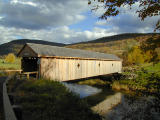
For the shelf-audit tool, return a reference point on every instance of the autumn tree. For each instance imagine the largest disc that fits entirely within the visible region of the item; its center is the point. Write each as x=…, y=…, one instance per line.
x=145, y=52
x=10, y=58
x=150, y=47
x=135, y=56
x=147, y=8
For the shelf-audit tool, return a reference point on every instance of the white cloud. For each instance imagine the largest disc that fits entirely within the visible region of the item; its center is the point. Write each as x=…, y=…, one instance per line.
x=101, y=22
x=60, y=34
x=1, y=17
x=14, y=2
x=42, y=14
x=128, y=21
x=50, y=19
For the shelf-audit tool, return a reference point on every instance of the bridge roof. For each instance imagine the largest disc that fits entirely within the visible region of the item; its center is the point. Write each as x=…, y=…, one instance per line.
x=41, y=50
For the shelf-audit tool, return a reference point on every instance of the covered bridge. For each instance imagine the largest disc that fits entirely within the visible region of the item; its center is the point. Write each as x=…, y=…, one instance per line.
x=63, y=64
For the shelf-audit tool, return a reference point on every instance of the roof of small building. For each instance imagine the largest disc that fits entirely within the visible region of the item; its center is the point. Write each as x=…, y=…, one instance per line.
x=47, y=50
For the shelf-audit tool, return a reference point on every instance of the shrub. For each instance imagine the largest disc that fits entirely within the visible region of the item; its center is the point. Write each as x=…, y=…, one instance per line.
x=10, y=58
x=147, y=80
x=48, y=100
x=144, y=81
x=94, y=82
x=117, y=86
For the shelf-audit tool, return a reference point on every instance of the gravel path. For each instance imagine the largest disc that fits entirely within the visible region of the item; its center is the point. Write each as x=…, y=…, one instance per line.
x=2, y=79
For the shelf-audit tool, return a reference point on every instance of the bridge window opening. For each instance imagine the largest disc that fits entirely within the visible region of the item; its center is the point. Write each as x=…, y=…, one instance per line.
x=78, y=65
x=112, y=64
x=99, y=64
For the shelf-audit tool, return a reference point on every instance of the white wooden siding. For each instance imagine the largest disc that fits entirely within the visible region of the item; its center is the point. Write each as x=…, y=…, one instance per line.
x=67, y=69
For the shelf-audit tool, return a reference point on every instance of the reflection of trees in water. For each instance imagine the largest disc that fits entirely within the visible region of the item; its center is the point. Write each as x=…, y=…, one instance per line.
x=146, y=108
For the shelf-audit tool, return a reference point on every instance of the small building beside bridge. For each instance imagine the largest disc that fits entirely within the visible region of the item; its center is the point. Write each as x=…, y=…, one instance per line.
x=64, y=64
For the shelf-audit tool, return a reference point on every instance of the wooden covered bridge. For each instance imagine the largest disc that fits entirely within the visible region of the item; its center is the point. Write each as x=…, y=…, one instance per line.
x=63, y=64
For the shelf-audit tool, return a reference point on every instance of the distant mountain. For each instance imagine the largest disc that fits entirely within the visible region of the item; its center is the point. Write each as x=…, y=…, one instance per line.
x=118, y=37
x=15, y=45
x=116, y=44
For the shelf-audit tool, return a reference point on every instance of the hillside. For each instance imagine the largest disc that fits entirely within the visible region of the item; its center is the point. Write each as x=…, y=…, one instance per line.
x=15, y=45
x=118, y=37
x=116, y=44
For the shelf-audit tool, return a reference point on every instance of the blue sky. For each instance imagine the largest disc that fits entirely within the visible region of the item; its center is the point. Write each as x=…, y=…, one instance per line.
x=87, y=24
x=65, y=21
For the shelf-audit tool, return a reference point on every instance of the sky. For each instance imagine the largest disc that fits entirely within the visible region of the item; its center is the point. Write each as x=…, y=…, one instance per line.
x=65, y=21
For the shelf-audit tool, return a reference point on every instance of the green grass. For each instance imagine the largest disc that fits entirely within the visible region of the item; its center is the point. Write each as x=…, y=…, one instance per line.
x=119, y=86
x=2, y=74
x=13, y=66
x=49, y=100
x=147, y=79
x=94, y=82
x=153, y=68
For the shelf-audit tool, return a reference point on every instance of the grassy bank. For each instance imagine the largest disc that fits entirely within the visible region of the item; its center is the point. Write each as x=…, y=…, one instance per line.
x=97, y=82
x=13, y=66
x=146, y=79
x=48, y=100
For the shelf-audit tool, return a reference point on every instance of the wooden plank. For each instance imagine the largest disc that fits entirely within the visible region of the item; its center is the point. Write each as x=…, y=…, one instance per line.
x=83, y=68
x=34, y=72
x=74, y=69
x=70, y=70
x=57, y=69
x=67, y=69
x=61, y=69
x=28, y=74
x=13, y=71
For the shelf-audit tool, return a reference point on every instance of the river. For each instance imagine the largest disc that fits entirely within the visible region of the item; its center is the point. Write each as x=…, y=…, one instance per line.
x=82, y=90
x=117, y=105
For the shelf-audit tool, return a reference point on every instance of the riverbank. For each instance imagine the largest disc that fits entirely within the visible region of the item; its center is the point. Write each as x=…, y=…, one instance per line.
x=33, y=95
x=133, y=108
x=112, y=105
x=144, y=79
x=10, y=66
x=44, y=99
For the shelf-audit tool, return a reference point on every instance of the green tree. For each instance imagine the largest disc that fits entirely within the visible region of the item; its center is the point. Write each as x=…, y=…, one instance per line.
x=10, y=58
x=147, y=8
x=149, y=47
x=144, y=52
x=135, y=56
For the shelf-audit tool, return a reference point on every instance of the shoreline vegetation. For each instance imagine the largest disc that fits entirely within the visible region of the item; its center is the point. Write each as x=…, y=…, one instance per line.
x=4, y=65
x=34, y=95
x=47, y=100
x=133, y=78
x=144, y=78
